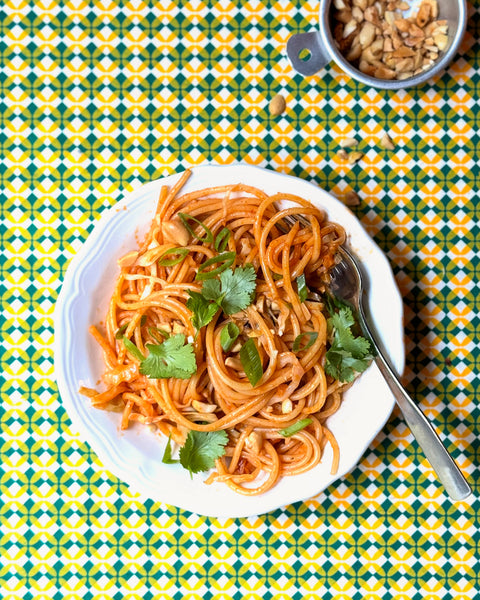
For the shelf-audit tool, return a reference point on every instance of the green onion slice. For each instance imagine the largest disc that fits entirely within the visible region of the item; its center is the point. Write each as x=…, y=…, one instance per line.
x=228, y=335
x=296, y=427
x=169, y=262
x=120, y=331
x=163, y=332
x=158, y=334
x=167, y=454
x=221, y=241
x=302, y=288
x=251, y=363
x=297, y=344
x=134, y=351
x=207, y=238
x=225, y=260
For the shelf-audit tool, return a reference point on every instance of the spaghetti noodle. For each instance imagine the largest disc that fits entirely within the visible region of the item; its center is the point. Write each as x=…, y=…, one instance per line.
x=275, y=423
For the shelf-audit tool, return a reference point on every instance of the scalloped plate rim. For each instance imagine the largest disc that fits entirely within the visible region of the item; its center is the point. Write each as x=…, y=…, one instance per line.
x=219, y=501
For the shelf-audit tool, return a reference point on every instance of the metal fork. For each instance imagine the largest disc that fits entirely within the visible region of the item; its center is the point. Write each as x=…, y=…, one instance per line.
x=346, y=283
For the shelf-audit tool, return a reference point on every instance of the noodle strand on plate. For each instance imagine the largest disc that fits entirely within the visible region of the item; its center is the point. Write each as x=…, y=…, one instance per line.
x=258, y=372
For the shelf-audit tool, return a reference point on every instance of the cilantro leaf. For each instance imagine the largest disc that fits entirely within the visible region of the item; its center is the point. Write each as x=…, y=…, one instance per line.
x=343, y=366
x=203, y=310
x=342, y=322
x=211, y=289
x=237, y=288
x=232, y=292
x=348, y=354
x=172, y=358
x=201, y=449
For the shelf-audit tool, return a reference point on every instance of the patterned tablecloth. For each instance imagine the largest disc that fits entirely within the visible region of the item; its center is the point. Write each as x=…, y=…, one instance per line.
x=99, y=97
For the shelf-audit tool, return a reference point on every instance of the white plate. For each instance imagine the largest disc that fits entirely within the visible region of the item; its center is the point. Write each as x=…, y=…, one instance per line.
x=135, y=455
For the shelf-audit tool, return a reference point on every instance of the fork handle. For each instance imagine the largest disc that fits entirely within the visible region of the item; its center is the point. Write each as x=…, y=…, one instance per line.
x=443, y=464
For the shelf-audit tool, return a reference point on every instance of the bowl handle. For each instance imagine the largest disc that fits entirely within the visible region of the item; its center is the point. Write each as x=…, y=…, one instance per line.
x=307, y=53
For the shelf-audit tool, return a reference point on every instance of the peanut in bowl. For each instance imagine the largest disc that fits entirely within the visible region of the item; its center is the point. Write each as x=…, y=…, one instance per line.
x=387, y=44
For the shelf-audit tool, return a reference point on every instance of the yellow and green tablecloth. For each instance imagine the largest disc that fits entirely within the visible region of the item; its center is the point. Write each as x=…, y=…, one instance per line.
x=98, y=97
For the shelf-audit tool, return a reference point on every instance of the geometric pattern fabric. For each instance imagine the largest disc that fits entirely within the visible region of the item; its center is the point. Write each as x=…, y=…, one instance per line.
x=100, y=97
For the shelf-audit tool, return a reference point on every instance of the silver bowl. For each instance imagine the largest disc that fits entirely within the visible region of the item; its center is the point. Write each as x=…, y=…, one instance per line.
x=310, y=52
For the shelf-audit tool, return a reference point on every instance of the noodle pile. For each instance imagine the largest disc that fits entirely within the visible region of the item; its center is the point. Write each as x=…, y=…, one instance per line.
x=151, y=297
